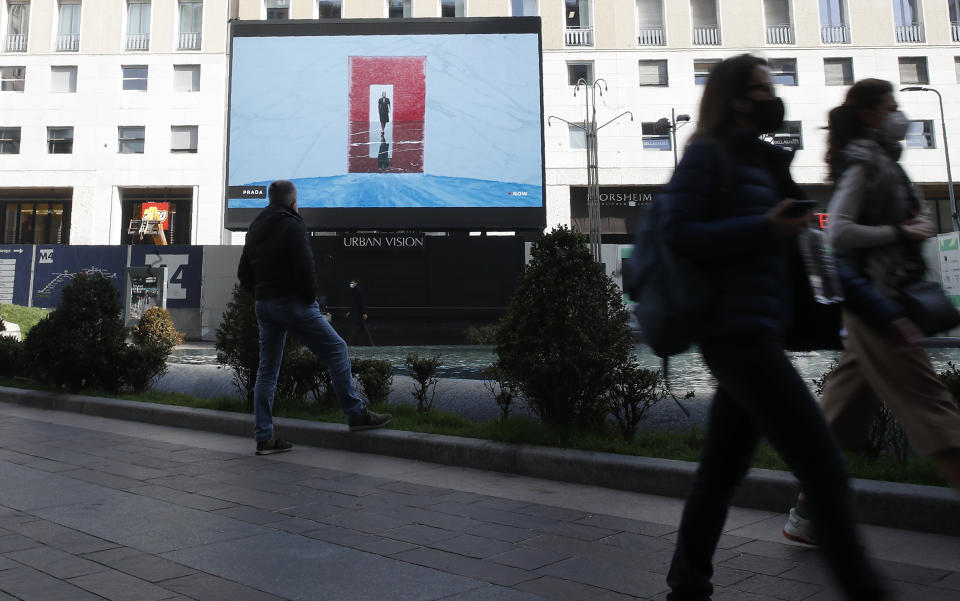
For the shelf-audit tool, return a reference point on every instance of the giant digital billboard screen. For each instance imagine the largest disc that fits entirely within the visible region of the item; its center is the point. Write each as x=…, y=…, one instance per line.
x=389, y=124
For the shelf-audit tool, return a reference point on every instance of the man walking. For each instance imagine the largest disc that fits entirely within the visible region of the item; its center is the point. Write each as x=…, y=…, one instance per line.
x=277, y=268
x=358, y=313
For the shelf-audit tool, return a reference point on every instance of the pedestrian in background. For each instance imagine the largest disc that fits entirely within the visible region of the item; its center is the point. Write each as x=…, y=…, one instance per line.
x=277, y=268
x=742, y=238
x=358, y=313
x=877, y=227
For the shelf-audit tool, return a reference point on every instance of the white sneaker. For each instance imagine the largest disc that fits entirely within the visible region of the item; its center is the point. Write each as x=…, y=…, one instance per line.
x=799, y=529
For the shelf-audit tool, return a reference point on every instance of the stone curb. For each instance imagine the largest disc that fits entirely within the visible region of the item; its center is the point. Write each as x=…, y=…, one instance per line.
x=905, y=506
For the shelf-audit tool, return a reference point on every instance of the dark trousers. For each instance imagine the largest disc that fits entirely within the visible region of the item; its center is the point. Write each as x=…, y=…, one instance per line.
x=361, y=328
x=759, y=393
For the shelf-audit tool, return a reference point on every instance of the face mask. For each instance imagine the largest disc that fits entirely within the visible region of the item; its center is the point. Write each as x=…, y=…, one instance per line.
x=768, y=114
x=894, y=127
x=352, y=284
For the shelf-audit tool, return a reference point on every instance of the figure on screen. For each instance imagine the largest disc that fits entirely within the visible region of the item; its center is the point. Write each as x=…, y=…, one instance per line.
x=383, y=155
x=383, y=105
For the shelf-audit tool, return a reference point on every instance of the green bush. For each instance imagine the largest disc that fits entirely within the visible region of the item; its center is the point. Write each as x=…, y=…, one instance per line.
x=424, y=370
x=156, y=329
x=11, y=357
x=565, y=333
x=635, y=391
x=374, y=378
x=503, y=389
x=140, y=366
x=81, y=343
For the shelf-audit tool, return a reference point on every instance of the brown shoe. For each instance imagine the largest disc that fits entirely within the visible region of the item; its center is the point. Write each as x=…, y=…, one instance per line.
x=369, y=420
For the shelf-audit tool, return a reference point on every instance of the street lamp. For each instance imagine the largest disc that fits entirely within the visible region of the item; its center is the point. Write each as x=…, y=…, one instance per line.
x=664, y=125
x=946, y=150
x=590, y=128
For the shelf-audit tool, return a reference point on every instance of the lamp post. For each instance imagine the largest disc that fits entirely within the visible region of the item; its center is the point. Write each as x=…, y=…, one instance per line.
x=590, y=128
x=946, y=151
x=664, y=125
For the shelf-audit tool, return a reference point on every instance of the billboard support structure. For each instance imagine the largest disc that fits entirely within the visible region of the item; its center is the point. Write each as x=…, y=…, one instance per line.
x=590, y=128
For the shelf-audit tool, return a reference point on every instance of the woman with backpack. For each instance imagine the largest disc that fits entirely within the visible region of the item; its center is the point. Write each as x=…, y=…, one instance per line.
x=877, y=227
x=742, y=239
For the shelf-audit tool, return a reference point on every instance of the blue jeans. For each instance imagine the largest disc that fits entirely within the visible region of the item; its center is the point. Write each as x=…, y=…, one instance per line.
x=278, y=316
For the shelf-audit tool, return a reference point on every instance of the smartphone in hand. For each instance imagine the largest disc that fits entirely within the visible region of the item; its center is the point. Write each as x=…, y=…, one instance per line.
x=799, y=208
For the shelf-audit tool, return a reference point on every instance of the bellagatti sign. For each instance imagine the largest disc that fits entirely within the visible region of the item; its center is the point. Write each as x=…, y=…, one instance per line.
x=381, y=241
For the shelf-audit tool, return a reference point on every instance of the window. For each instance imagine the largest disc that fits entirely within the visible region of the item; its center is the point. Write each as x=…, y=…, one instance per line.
x=130, y=139
x=178, y=202
x=577, y=13
x=783, y=71
x=138, y=25
x=399, y=9
x=790, y=135
x=702, y=68
x=954, y=20
x=706, y=23
x=277, y=9
x=653, y=73
x=838, y=71
x=913, y=70
x=920, y=134
x=59, y=140
x=63, y=79
x=12, y=79
x=833, y=22
x=183, y=138
x=650, y=23
x=453, y=8
x=653, y=138
x=523, y=8
x=9, y=140
x=191, y=24
x=578, y=71
x=908, y=21
x=778, y=21
x=956, y=67
x=18, y=19
x=186, y=78
x=34, y=223
x=329, y=9
x=135, y=78
x=68, y=26
x=578, y=137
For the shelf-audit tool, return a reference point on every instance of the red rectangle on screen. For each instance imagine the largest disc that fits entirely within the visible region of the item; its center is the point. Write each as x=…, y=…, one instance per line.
x=387, y=99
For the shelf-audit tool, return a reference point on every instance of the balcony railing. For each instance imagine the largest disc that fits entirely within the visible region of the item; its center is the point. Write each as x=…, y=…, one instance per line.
x=650, y=36
x=138, y=41
x=15, y=42
x=835, y=34
x=68, y=42
x=910, y=33
x=578, y=36
x=189, y=41
x=706, y=35
x=955, y=31
x=780, y=34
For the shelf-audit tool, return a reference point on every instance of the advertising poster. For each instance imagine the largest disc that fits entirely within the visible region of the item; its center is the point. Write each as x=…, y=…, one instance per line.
x=950, y=265
x=184, y=265
x=15, y=274
x=57, y=265
x=392, y=122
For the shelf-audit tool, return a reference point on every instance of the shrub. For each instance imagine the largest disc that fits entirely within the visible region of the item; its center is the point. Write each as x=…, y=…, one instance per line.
x=503, y=389
x=156, y=329
x=374, y=378
x=635, y=391
x=300, y=375
x=11, y=357
x=140, y=366
x=81, y=343
x=238, y=340
x=951, y=379
x=564, y=333
x=424, y=370
x=486, y=335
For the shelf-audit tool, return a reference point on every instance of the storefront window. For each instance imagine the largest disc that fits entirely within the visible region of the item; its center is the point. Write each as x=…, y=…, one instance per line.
x=34, y=223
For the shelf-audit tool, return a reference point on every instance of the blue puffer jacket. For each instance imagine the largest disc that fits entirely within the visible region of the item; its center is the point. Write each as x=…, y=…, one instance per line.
x=716, y=217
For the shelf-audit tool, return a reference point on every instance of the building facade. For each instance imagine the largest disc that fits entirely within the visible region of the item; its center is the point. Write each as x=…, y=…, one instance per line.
x=107, y=105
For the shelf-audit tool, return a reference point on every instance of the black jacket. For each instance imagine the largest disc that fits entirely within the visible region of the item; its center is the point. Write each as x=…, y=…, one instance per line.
x=277, y=261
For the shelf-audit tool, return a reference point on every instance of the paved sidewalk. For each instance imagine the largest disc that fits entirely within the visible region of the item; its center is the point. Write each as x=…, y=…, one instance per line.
x=94, y=508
